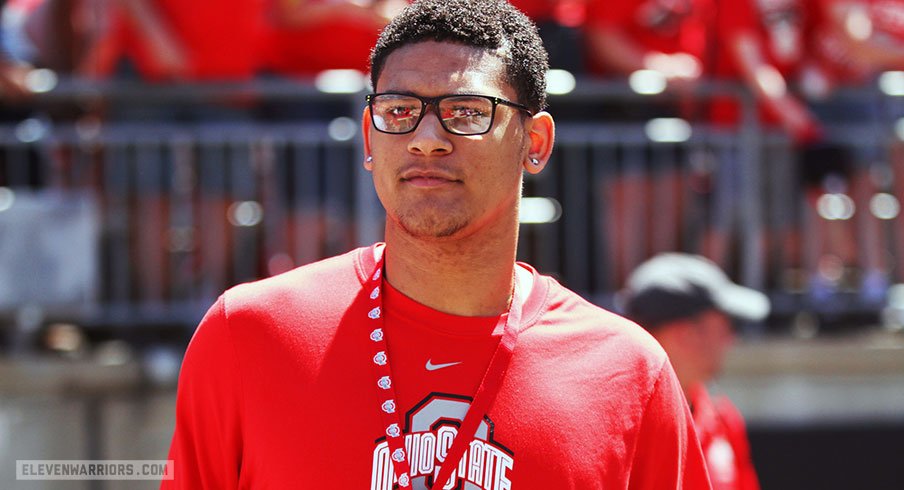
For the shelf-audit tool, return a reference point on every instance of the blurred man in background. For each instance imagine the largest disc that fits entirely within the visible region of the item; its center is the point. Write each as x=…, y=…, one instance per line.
x=166, y=39
x=559, y=23
x=305, y=37
x=760, y=46
x=849, y=44
x=12, y=77
x=689, y=305
x=663, y=40
x=667, y=37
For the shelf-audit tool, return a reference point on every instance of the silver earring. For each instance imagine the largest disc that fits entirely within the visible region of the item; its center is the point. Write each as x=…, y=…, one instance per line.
x=369, y=159
x=534, y=161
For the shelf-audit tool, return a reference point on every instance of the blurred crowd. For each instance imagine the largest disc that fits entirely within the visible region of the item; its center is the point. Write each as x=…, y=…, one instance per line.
x=781, y=49
x=788, y=53
x=791, y=55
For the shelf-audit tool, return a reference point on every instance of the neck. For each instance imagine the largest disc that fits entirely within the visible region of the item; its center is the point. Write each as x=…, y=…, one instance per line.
x=472, y=276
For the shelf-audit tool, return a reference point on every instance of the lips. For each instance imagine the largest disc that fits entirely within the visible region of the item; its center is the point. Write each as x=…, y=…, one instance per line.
x=428, y=178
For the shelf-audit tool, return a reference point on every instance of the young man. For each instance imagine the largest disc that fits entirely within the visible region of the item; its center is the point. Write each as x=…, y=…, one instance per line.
x=435, y=360
x=688, y=304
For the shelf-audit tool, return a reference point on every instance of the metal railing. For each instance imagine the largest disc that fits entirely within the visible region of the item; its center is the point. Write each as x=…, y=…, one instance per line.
x=178, y=211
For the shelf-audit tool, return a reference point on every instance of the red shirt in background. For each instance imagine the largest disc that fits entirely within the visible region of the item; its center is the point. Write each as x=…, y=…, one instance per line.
x=221, y=38
x=333, y=44
x=827, y=43
x=570, y=13
x=887, y=17
x=779, y=26
x=723, y=438
x=537, y=10
x=666, y=26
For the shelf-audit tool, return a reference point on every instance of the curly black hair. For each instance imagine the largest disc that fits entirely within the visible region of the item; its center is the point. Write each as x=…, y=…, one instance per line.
x=490, y=24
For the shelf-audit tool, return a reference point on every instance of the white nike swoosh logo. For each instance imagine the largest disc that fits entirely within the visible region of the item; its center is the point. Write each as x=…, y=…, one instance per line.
x=434, y=367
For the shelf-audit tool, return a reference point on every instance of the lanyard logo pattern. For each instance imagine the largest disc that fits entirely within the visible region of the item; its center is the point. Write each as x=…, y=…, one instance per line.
x=385, y=391
x=386, y=396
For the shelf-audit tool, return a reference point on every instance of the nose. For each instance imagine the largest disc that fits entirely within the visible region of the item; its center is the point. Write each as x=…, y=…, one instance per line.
x=429, y=138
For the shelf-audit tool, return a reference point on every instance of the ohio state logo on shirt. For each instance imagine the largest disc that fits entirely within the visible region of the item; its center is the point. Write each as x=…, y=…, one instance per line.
x=430, y=428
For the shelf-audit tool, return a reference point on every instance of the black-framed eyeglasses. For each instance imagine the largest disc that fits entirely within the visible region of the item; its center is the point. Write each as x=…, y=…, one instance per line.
x=461, y=114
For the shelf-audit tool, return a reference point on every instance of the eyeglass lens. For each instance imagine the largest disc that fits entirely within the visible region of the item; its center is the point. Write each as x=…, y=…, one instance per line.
x=459, y=114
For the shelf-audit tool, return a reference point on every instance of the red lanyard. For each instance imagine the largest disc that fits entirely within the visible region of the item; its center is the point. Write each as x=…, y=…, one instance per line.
x=386, y=395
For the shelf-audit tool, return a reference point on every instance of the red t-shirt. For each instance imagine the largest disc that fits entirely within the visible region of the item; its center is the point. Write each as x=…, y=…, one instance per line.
x=780, y=27
x=887, y=17
x=666, y=26
x=723, y=438
x=827, y=44
x=276, y=391
x=571, y=13
x=335, y=44
x=538, y=10
x=222, y=38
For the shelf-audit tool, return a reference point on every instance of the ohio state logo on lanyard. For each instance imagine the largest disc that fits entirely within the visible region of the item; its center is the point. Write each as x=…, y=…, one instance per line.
x=385, y=388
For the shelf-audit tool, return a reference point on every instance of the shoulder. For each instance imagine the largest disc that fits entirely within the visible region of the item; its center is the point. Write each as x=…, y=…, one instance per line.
x=318, y=278
x=572, y=322
x=325, y=287
x=296, y=314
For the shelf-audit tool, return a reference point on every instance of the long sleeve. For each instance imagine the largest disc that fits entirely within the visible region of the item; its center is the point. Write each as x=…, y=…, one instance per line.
x=207, y=442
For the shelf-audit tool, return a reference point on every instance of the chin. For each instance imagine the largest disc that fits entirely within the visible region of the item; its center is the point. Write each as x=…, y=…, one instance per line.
x=427, y=222
x=433, y=231
x=431, y=226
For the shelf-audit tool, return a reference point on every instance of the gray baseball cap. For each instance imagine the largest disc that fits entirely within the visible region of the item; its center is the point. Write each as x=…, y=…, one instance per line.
x=674, y=286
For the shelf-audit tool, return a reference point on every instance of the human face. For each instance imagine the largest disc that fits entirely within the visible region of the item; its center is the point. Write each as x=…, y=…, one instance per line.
x=715, y=336
x=434, y=184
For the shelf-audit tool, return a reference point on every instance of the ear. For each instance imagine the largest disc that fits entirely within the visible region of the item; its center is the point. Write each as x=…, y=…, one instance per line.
x=365, y=129
x=542, y=133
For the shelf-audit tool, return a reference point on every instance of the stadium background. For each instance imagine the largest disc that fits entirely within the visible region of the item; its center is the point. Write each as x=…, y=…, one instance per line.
x=128, y=202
